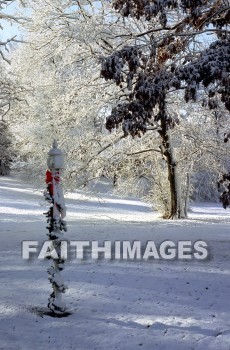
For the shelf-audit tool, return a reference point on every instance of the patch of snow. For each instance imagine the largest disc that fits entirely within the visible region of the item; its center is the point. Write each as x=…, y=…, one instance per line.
x=122, y=305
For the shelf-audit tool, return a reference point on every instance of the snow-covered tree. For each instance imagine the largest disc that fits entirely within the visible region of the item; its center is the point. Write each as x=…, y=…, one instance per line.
x=9, y=92
x=67, y=91
x=67, y=99
x=199, y=149
x=151, y=65
x=6, y=17
x=10, y=89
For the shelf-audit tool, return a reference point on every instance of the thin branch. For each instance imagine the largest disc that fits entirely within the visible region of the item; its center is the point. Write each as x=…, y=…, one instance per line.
x=3, y=115
x=100, y=151
x=143, y=151
x=4, y=58
x=227, y=8
x=13, y=18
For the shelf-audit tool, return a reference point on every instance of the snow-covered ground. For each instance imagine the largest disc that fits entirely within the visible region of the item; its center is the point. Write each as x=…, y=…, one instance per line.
x=124, y=305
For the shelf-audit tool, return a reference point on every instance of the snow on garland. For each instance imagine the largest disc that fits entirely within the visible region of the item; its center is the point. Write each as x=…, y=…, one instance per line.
x=56, y=226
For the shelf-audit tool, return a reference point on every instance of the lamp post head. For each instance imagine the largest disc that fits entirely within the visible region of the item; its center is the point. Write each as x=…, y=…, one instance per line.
x=55, y=159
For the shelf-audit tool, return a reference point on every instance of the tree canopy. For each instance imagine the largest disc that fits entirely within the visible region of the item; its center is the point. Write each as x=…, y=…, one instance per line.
x=166, y=60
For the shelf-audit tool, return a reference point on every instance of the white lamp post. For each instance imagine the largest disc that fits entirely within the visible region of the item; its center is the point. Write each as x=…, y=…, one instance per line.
x=56, y=226
x=55, y=161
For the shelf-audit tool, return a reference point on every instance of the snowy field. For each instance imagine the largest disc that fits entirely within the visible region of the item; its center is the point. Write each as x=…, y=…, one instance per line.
x=124, y=305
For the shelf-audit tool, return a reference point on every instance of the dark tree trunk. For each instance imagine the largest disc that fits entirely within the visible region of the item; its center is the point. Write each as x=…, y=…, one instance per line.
x=176, y=211
x=4, y=168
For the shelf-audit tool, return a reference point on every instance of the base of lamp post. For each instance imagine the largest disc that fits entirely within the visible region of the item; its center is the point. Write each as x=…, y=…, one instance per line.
x=53, y=314
x=42, y=311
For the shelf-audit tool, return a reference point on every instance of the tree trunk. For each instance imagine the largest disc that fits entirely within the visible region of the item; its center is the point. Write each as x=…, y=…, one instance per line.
x=176, y=210
x=187, y=191
x=4, y=168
